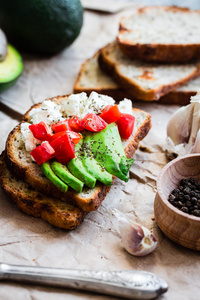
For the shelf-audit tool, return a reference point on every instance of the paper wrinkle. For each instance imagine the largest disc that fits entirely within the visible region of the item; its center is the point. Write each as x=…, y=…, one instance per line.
x=95, y=244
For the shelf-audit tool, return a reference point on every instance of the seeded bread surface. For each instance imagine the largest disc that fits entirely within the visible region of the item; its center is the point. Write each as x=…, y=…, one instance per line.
x=161, y=34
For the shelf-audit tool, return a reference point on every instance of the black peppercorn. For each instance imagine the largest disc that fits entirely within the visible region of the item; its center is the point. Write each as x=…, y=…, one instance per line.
x=186, y=197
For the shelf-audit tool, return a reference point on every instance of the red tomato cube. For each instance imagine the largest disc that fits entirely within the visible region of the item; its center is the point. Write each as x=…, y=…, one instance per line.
x=43, y=153
x=64, y=148
x=125, y=125
x=110, y=113
x=92, y=122
x=41, y=131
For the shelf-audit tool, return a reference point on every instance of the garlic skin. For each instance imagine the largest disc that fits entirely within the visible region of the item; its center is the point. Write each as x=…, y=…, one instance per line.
x=137, y=239
x=183, y=129
x=180, y=124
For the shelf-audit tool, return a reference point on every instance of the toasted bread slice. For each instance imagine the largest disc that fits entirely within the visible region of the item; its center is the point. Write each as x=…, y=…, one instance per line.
x=161, y=34
x=53, y=210
x=92, y=78
x=143, y=80
x=21, y=164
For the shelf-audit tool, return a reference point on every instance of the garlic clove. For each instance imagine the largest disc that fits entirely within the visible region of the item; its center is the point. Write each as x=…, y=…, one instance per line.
x=195, y=123
x=180, y=124
x=137, y=239
x=196, y=147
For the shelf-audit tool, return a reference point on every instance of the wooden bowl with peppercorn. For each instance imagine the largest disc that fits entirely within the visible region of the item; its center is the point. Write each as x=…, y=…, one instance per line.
x=177, y=201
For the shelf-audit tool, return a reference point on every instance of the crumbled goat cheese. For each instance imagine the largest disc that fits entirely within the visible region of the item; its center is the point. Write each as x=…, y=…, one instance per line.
x=80, y=104
x=48, y=112
x=74, y=105
x=28, y=138
x=125, y=106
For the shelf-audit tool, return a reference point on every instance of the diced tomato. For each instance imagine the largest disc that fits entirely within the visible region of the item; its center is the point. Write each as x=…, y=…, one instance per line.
x=75, y=136
x=92, y=122
x=43, y=153
x=75, y=124
x=41, y=131
x=64, y=148
x=110, y=113
x=61, y=126
x=125, y=125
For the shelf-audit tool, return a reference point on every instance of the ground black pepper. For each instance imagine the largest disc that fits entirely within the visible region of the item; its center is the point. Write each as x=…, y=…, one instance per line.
x=186, y=197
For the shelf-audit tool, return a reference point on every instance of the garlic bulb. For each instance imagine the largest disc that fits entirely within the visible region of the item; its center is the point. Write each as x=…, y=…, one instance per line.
x=183, y=129
x=137, y=239
x=180, y=124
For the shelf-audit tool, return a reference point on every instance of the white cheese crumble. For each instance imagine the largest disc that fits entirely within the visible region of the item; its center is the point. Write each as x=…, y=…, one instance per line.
x=28, y=138
x=48, y=112
x=75, y=104
x=80, y=104
x=125, y=106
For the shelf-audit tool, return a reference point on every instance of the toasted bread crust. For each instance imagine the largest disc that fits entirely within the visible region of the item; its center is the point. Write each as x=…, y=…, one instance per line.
x=83, y=84
x=158, y=52
x=33, y=203
x=135, y=90
x=25, y=169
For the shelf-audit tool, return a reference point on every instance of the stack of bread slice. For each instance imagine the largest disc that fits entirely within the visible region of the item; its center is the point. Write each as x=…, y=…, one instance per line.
x=154, y=57
x=23, y=181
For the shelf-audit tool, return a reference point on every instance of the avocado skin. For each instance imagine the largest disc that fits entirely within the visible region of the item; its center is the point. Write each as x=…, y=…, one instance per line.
x=63, y=173
x=107, y=149
x=48, y=172
x=41, y=26
x=10, y=69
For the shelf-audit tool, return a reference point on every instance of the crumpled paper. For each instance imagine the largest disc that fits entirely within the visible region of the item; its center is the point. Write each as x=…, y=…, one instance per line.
x=95, y=244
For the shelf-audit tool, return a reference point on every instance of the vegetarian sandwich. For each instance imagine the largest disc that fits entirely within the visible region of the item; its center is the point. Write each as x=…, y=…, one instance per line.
x=60, y=161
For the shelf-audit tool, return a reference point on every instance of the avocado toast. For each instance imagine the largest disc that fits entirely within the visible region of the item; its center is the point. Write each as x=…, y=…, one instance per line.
x=24, y=169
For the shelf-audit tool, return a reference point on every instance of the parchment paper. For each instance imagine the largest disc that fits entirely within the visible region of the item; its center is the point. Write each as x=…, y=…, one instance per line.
x=95, y=244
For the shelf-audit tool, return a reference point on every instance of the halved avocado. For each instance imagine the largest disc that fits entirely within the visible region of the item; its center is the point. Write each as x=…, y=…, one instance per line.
x=10, y=68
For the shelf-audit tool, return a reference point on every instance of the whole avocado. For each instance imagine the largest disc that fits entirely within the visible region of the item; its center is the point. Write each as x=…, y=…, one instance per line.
x=41, y=26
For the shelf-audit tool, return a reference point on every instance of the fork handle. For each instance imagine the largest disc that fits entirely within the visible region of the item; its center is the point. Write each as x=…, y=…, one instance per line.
x=132, y=284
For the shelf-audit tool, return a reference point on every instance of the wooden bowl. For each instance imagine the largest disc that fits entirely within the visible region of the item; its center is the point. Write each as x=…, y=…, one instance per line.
x=178, y=226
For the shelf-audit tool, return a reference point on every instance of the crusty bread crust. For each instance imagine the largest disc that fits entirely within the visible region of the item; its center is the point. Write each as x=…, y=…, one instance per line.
x=19, y=161
x=94, y=76
x=110, y=88
x=53, y=210
x=129, y=84
x=158, y=52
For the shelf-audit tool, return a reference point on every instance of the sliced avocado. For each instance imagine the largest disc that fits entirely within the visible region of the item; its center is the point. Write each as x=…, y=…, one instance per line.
x=10, y=68
x=125, y=164
x=108, y=150
x=96, y=170
x=76, y=167
x=63, y=173
x=46, y=169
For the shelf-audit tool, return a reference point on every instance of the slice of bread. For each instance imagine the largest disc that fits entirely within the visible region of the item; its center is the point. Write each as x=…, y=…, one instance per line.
x=19, y=161
x=53, y=210
x=141, y=80
x=161, y=34
x=92, y=78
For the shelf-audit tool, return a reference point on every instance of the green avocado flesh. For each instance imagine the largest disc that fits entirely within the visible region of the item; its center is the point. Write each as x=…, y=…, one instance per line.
x=107, y=149
x=99, y=156
x=48, y=172
x=64, y=174
x=77, y=168
x=10, y=68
